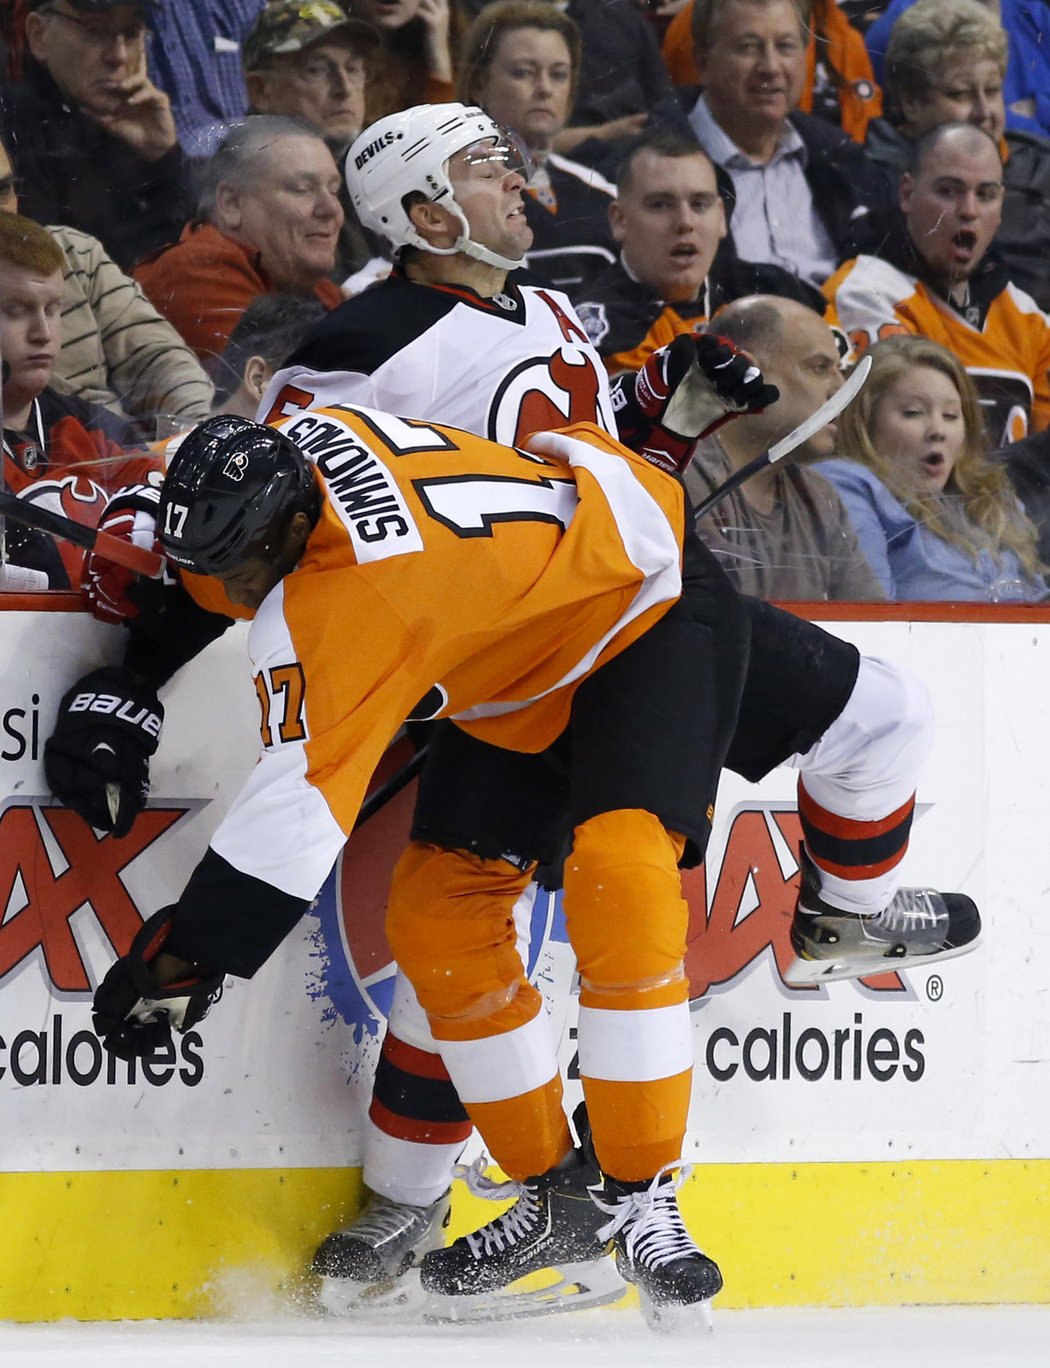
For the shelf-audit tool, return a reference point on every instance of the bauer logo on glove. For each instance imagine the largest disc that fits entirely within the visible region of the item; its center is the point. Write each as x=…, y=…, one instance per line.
x=96, y=761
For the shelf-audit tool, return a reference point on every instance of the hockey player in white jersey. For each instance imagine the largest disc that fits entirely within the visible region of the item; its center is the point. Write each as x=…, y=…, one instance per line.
x=449, y=337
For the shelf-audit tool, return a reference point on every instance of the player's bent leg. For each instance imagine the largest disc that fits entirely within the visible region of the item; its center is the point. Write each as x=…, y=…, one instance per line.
x=627, y=921
x=416, y=1126
x=451, y=927
x=856, y=800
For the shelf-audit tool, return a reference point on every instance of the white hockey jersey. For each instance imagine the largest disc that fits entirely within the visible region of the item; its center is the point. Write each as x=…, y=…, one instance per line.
x=502, y=368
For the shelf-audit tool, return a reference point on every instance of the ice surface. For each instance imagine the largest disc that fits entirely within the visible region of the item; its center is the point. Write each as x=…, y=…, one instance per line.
x=915, y=1337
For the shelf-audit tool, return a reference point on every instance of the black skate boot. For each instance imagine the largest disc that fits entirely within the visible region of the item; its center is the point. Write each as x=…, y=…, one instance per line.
x=552, y=1227
x=369, y=1262
x=920, y=926
x=674, y=1277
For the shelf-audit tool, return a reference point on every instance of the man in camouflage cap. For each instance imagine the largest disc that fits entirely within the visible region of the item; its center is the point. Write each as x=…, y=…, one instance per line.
x=309, y=58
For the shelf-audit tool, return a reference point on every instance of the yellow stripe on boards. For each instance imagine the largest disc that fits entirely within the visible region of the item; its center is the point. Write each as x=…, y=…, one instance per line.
x=935, y=1231
x=140, y=1245
x=129, y=1246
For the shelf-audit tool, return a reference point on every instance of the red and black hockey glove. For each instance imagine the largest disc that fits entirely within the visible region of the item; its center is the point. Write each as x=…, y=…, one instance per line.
x=686, y=391
x=130, y=514
x=96, y=761
x=134, y=1015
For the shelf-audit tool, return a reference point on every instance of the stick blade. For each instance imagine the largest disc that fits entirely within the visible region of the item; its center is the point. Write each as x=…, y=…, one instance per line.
x=825, y=414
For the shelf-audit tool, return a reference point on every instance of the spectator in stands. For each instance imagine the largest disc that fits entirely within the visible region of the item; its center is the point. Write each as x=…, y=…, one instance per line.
x=1026, y=88
x=937, y=274
x=267, y=333
x=935, y=517
x=622, y=77
x=116, y=350
x=784, y=534
x=416, y=65
x=801, y=186
x=839, y=83
x=195, y=58
x=93, y=137
x=311, y=61
x=268, y=220
x=59, y=451
x=520, y=61
x=669, y=221
x=946, y=62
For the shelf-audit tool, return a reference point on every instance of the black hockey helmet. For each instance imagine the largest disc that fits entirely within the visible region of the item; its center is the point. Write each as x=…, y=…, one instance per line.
x=229, y=485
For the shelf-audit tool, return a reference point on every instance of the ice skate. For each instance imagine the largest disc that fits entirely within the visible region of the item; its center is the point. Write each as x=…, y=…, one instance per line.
x=551, y=1229
x=920, y=926
x=371, y=1264
x=674, y=1277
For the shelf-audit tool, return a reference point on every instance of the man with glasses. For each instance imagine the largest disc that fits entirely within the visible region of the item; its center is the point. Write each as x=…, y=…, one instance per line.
x=310, y=60
x=93, y=137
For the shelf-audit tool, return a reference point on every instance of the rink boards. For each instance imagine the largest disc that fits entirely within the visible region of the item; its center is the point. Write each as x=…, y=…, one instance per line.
x=875, y=1143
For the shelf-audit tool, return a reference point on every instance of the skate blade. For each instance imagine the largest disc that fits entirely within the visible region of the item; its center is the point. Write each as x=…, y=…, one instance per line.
x=664, y=1319
x=395, y=1298
x=806, y=971
x=595, y=1282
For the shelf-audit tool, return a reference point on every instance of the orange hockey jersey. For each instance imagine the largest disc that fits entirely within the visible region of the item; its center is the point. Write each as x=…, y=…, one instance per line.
x=447, y=577
x=1005, y=348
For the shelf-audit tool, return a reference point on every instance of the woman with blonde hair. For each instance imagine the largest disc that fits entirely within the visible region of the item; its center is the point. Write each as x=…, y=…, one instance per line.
x=935, y=517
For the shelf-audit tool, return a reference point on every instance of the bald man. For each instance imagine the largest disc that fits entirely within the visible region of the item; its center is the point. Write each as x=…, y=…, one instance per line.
x=937, y=274
x=784, y=534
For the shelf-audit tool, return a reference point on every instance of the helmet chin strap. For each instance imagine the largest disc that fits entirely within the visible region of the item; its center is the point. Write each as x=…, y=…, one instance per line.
x=466, y=244
x=474, y=249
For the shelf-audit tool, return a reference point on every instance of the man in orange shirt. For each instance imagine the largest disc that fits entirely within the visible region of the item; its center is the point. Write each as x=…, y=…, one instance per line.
x=268, y=221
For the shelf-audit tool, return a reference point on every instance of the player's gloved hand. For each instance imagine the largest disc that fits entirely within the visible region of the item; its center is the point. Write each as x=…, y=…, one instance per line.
x=686, y=391
x=134, y=1014
x=130, y=514
x=97, y=759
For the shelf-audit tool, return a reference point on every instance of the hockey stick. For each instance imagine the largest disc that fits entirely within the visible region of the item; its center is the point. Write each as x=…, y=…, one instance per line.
x=116, y=549
x=393, y=786
x=795, y=438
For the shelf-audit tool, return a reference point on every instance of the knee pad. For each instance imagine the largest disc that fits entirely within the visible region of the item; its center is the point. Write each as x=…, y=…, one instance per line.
x=450, y=924
x=625, y=912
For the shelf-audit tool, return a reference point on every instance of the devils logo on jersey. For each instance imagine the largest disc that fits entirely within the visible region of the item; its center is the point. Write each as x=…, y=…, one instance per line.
x=545, y=392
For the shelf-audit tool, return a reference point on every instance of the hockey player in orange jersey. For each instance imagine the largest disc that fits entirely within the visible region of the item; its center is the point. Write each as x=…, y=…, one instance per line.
x=591, y=656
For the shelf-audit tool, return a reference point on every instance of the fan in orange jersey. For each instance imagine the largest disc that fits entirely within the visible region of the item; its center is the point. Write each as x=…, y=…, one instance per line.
x=937, y=274
x=590, y=656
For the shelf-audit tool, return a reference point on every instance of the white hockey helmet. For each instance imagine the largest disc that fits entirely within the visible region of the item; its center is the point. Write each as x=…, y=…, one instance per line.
x=408, y=153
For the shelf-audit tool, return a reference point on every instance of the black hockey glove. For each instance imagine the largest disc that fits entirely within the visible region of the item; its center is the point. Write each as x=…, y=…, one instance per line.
x=686, y=391
x=133, y=1014
x=97, y=759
